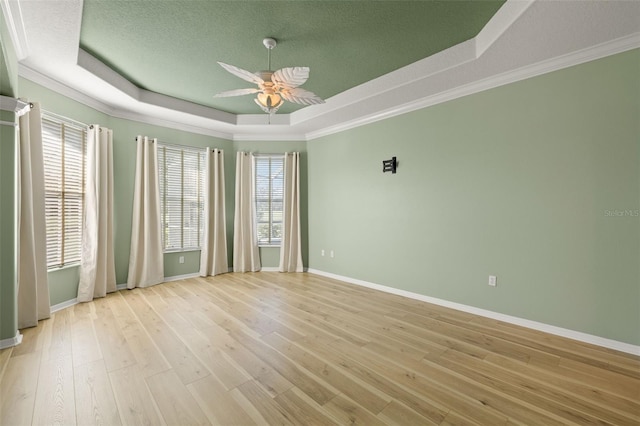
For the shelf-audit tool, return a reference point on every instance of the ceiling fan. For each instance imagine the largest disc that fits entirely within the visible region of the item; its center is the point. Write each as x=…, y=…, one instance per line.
x=274, y=87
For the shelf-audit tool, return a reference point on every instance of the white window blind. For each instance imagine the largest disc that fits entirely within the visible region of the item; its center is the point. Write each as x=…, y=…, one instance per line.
x=64, y=146
x=269, y=184
x=181, y=173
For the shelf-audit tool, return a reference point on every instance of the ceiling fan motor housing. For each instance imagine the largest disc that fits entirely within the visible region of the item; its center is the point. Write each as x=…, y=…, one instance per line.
x=265, y=75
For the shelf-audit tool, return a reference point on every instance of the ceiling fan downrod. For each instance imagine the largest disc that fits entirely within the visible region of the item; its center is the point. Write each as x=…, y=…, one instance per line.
x=270, y=44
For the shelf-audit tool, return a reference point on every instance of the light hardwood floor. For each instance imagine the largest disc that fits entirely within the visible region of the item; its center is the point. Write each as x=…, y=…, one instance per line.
x=269, y=348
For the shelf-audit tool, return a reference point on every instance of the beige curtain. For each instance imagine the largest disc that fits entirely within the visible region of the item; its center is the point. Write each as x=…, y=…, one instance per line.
x=291, y=248
x=246, y=257
x=213, y=256
x=146, y=264
x=33, y=284
x=97, y=267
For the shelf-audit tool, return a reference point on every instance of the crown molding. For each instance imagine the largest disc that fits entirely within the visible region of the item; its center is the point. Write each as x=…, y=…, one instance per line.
x=71, y=93
x=276, y=137
x=176, y=125
x=78, y=96
x=103, y=72
x=37, y=77
x=385, y=86
x=506, y=16
x=441, y=62
x=555, y=64
x=15, y=23
x=506, y=50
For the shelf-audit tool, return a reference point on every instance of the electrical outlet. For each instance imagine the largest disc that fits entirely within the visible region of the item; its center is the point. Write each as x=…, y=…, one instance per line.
x=322, y=252
x=331, y=254
x=181, y=259
x=493, y=280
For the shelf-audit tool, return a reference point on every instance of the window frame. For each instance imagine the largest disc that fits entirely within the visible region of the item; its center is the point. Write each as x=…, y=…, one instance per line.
x=64, y=258
x=271, y=242
x=163, y=148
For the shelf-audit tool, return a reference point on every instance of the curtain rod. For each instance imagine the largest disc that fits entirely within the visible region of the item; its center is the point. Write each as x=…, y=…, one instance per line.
x=176, y=145
x=280, y=154
x=91, y=126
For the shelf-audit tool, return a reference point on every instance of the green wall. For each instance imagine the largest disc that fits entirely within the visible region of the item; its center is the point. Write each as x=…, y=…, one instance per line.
x=64, y=282
x=270, y=256
x=520, y=182
x=8, y=189
x=537, y=182
x=8, y=227
x=124, y=156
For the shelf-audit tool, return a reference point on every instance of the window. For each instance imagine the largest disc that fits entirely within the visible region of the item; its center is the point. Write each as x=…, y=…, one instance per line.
x=64, y=146
x=269, y=184
x=181, y=173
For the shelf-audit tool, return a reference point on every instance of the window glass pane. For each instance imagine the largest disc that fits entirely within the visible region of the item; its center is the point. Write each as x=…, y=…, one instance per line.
x=64, y=152
x=53, y=215
x=269, y=184
x=72, y=227
x=181, y=172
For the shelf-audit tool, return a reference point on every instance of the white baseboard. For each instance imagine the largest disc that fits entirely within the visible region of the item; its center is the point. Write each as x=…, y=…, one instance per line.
x=13, y=341
x=181, y=277
x=262, y=269
x=551, y=329
x=273, y=269
x=65, y=304
x=123, y=286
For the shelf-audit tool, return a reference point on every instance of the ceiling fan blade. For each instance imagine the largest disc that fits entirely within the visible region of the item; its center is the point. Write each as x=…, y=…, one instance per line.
x=237, y=92
x=243, y=74
x=301, y=96
x=290, y=77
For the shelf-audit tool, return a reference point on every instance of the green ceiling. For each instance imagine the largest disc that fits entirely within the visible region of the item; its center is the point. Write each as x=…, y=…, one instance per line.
x=172, y=46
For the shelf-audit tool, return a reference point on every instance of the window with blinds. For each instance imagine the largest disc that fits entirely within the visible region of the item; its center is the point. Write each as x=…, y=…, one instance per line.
x=181, y=172
x=269, y=185
x=64, y=147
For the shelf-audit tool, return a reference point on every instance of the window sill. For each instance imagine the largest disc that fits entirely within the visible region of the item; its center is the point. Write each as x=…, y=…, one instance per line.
x=62, y=268
x=181, y=250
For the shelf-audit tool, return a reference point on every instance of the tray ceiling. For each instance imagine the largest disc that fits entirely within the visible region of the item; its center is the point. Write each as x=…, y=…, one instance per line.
x=154, y=61
x=171, y=47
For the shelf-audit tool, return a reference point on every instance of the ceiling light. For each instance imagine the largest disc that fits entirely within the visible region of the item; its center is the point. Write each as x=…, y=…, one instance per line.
x=274, y=87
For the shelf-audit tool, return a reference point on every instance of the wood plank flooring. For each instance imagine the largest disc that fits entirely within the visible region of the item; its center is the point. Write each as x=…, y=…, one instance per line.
x=300, y=349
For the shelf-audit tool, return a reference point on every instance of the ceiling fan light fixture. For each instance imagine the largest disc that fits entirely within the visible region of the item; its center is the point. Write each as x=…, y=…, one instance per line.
x=274, y=87
x=269, y=100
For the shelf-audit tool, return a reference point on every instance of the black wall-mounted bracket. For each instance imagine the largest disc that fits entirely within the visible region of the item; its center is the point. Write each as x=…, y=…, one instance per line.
x=389, y=165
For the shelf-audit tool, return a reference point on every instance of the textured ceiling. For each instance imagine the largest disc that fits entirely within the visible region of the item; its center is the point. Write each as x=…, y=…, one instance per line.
x=171, y=47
